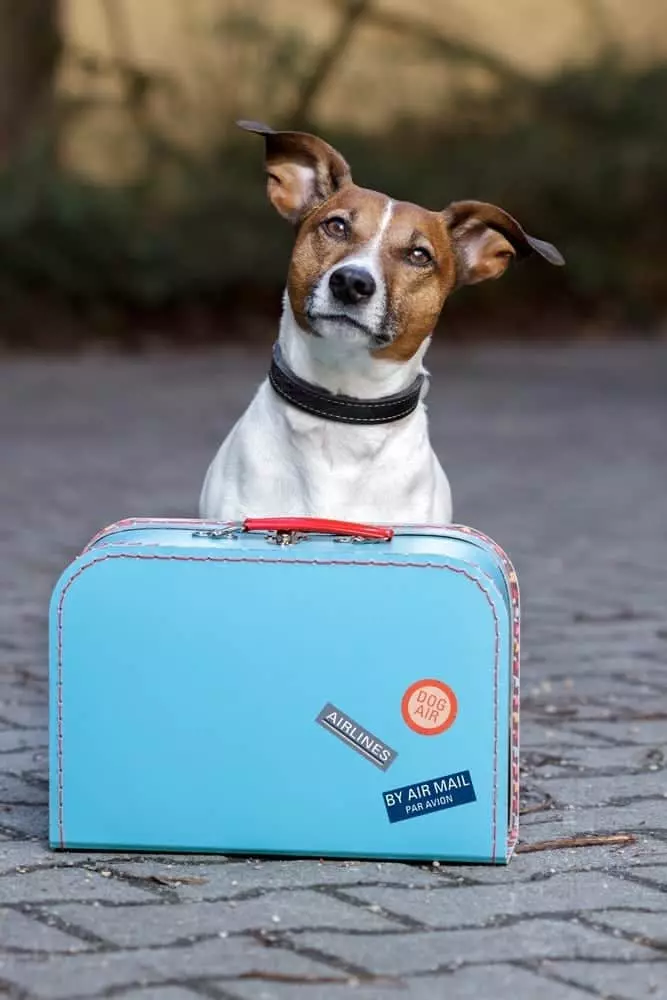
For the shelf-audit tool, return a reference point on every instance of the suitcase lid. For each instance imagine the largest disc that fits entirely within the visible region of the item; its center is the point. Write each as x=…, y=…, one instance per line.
x=415, y=539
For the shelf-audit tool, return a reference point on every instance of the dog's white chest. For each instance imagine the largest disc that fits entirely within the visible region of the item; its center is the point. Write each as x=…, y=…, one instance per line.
x=281, y=461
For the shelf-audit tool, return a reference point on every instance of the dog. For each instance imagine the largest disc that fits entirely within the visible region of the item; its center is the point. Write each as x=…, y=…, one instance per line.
x=339, y=429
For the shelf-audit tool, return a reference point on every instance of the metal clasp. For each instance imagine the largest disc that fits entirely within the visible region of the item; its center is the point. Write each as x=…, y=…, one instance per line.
x=230, y=531
x=283, y=538
x=358, y=539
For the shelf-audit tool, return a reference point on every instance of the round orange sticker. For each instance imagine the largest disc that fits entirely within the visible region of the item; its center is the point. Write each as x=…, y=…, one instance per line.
x=429, y=707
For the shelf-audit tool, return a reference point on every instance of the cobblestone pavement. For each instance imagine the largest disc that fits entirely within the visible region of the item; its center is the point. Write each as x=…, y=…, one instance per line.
x=561, y=454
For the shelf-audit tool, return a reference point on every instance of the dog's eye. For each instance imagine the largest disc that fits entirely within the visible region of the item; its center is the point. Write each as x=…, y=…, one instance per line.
x=419, y=257
x=336, y=227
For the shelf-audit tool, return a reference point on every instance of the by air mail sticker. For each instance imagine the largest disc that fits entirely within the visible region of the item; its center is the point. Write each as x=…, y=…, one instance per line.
x=429, y=707
x=429, y=796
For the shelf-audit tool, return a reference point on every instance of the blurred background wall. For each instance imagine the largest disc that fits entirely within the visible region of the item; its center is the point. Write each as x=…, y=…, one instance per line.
x=130, y=207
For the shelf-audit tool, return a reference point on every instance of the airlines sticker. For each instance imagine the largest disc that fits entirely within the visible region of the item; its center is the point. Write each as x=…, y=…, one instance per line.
x=357, y=737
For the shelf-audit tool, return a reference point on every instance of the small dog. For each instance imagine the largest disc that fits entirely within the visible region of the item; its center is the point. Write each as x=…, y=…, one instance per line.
x=339, y=427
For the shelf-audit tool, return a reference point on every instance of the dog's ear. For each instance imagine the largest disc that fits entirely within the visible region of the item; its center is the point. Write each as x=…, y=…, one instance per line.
x=485, y=239
x=303, y=170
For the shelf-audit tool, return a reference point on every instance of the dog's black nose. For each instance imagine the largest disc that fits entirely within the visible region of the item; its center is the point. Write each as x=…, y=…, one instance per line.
x=351, y=285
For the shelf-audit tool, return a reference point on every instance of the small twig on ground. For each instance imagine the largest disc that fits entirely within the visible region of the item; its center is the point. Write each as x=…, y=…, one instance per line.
x=585, y=841
x=284, y=977
x=177, y=880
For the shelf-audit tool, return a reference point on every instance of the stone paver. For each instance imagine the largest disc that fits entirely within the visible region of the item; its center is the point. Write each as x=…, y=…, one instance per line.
x=622, y=981
x=19, y=932
x=475, y=906
x=532, y=938
x=639, y=924
x=54, y=884
x=271, y=911
x=560, y=454
x=62, y=978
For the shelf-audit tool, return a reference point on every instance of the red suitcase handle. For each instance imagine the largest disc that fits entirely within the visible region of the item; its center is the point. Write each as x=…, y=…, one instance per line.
x=321, y=526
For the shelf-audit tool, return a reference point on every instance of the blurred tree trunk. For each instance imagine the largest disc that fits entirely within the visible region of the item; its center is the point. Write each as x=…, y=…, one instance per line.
x=30, y=46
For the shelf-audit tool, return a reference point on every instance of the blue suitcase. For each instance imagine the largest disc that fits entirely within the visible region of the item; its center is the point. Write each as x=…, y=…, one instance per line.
x=286, y=687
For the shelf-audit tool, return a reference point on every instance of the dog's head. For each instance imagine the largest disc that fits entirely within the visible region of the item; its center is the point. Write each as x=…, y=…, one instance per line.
x=371, y=270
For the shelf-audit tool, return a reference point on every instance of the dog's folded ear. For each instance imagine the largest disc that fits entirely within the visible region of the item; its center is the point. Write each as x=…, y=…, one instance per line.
x=485, y=239
x=303, y=170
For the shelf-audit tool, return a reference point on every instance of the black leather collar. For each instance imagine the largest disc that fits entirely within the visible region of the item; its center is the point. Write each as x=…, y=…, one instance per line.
x=343, y=409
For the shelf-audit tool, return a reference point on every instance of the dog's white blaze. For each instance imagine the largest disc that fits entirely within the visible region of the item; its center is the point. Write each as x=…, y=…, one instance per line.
x=374, y=244
x=369, y=257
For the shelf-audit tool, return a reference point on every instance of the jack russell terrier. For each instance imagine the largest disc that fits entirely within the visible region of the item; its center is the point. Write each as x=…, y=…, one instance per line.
x=339, y=427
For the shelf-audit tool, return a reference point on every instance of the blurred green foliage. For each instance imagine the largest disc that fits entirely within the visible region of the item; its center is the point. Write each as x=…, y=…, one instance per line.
x=580, y=160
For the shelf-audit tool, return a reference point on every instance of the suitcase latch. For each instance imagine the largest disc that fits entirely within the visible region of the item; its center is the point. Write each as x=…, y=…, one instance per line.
x=231, y=531
x=358, y=539
x=235, y=531
x=285, y=537
x=293, y=537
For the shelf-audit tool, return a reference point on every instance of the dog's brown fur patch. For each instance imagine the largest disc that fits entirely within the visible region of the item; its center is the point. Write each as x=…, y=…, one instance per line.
x=416, y=294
